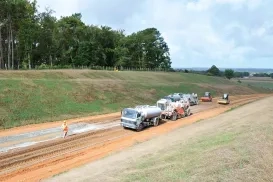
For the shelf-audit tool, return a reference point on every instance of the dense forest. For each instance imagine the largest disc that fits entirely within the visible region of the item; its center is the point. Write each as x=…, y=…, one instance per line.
x=29, y=39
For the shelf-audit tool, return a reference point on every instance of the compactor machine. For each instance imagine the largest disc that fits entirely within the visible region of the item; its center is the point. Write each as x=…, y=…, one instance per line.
x=207, y=97
x=224, y=99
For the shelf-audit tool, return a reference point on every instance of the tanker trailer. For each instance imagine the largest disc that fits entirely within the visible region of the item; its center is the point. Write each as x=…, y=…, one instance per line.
x=175, y=97
x=139, y=117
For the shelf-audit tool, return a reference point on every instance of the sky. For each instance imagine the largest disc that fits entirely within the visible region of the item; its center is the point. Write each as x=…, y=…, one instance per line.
x=199, y=33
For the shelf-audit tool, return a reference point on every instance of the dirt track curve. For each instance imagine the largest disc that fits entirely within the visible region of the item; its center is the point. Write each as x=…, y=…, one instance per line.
x=49, y=158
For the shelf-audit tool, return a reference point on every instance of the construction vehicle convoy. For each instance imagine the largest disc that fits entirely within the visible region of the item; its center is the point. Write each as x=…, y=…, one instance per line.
x=207, y=97
x=141, y=116
x=224, y=99
x=169, y=107
x=173, y=107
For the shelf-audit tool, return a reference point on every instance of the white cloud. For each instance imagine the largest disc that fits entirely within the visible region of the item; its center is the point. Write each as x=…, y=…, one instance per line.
x=227, y=33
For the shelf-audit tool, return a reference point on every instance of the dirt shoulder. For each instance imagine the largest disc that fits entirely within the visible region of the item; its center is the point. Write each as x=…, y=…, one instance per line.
x=233, y=146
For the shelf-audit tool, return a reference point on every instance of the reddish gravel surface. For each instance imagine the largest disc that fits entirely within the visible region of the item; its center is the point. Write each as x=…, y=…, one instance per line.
x=49, y=158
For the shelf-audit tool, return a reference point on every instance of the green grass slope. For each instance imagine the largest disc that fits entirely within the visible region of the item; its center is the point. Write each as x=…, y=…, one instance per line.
x=259, y=82
x=28, y=97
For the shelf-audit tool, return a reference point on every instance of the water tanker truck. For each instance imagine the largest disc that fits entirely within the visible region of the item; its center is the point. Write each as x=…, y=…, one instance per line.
x=139, y=117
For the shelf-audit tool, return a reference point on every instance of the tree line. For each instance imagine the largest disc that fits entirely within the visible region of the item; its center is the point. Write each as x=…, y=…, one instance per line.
x=30, y=39
x=263, y=75
x=214, y=71
x=228, y=73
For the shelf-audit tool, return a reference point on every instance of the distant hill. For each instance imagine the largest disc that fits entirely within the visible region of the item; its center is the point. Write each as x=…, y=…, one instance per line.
x=250, y=70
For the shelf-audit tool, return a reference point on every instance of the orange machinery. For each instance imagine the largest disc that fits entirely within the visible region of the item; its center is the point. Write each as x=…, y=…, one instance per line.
x=207, y=97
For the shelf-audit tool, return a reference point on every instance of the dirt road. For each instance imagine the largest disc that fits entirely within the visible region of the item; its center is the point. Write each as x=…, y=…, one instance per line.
x=52, y=157
x=234, y=146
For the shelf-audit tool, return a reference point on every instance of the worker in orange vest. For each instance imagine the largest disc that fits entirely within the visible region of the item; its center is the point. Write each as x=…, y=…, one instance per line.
x=65, y=128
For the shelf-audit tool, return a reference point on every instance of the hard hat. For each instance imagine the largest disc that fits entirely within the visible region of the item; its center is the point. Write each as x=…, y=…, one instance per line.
x=64, y=121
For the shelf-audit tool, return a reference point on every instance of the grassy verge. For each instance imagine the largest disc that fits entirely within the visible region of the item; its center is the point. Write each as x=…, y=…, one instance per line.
x=239, y=153
x=268, y=85
x=257, y=82
x=180, y=162
x=28, y=97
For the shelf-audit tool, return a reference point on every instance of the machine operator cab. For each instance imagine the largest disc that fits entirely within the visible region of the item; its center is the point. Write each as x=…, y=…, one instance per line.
x=225, y=96
x=224, y=99
x=207, y=94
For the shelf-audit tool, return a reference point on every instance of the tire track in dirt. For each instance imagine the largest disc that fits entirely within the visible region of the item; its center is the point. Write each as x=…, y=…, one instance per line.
x=8, y=163
x=25, y=157
x=10, y=142
x=34, y=127
x=53, y=154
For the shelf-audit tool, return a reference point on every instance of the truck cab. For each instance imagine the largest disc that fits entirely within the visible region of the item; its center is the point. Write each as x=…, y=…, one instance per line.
x=130, y=118
x=163, y=103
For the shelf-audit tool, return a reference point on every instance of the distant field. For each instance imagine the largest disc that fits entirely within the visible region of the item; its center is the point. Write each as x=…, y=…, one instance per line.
x=260, y=82
x=39, y=96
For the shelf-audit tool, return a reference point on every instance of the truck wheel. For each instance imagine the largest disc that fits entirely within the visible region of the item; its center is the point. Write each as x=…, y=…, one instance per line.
x=140, y=127
x=156, y=122
x=189, y=112
x=174, y=116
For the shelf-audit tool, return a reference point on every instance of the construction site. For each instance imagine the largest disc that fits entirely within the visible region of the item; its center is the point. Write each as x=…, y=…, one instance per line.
x=36, y=152
x=153, y=91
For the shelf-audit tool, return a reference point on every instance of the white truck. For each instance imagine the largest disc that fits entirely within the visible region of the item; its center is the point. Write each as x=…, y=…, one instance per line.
x=139, y=117
x=195, y=96
x=192, y=98
x=173, y=110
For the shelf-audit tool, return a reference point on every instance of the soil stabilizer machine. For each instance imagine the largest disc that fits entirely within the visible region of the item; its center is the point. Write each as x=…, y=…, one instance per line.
x=224, y=99
x=173, y=109
x=207, y=97
x=140, y=117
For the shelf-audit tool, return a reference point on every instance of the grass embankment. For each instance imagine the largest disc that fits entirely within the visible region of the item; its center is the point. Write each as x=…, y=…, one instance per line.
x=258, y=82
x=28, y=97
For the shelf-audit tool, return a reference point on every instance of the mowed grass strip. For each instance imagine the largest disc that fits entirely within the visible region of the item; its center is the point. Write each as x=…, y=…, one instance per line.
x=179, y=162
x=259, y=84
x=28, y=97
x=256, y=82
x=240, y=154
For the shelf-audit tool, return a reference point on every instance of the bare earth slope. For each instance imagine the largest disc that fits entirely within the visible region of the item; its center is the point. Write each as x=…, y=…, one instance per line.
x=234, y=146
